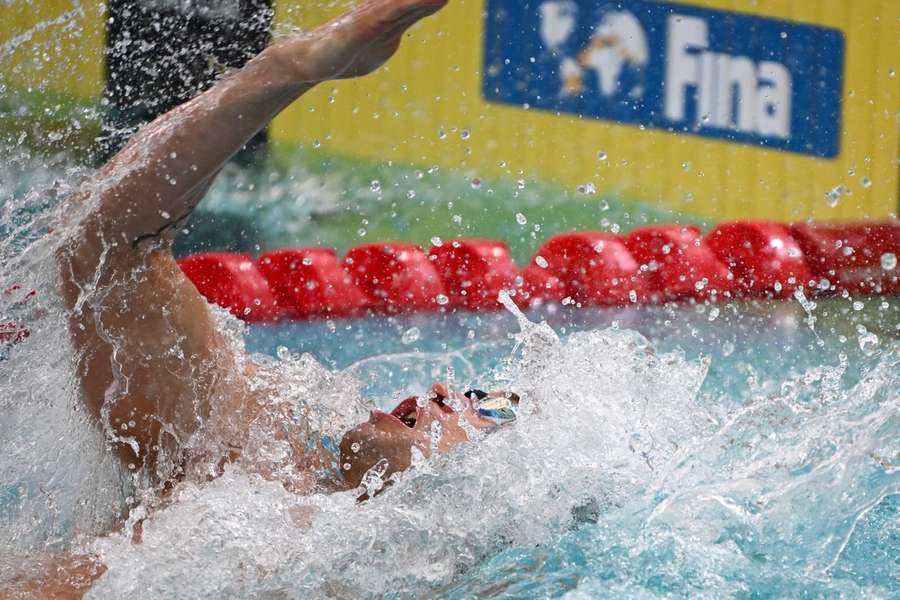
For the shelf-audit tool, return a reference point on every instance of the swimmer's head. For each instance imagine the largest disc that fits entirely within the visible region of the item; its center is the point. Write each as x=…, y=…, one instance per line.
x=384, y=443
x=383, y=437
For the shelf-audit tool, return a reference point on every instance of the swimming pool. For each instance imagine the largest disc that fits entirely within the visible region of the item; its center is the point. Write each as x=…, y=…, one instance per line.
x=744, y=449
x=677, y=451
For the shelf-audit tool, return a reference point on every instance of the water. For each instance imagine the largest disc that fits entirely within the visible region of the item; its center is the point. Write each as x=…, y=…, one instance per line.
x=744, y=450
x=730, y=458
x=748, y=449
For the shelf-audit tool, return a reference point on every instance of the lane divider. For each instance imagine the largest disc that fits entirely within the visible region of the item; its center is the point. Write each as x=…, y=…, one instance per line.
x=764, y=258
x=679, y=264
x=311, y=282
x=474, y=272
x=655, y=264
x=396, y=277
x=233, y=281
x=850, y=257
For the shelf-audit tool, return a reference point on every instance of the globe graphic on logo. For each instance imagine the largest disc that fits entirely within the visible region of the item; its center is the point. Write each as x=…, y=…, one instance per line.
x=616, y=52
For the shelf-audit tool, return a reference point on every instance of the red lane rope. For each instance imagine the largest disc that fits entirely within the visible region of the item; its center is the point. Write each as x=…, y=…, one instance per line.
x=660, y=263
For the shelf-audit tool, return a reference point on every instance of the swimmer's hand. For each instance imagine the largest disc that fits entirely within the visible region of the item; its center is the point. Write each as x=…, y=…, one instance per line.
x=356, y=43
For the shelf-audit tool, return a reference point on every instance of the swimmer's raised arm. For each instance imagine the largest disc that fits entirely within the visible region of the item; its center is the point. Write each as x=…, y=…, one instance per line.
x=166, y=167
x=151, y=361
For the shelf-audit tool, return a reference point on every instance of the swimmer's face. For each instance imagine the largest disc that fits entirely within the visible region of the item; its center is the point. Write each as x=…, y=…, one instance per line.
x=391, y=438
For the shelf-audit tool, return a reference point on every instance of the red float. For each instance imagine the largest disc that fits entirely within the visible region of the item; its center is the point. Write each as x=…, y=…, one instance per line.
x=659, y=263
x=233, y=282
x=678, y=264
x=849, y=255
x=311, y=282
x=764, y=257
x=594, y=269
x=396, y=277
x=474, y=272
x=539, y=286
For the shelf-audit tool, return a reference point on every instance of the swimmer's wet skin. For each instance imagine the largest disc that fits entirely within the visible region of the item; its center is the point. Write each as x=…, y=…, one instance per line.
x=134, y=316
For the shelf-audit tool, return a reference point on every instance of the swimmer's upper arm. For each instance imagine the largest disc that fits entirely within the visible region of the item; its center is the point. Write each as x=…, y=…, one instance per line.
x=149, y=356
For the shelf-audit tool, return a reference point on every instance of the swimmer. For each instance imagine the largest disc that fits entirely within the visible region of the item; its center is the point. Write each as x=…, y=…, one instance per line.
x=173, y=398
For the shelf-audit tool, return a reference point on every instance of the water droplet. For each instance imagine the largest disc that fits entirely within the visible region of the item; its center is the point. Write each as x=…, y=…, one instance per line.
x=307, y=261
x=411, y=335
x=457, y=219
x=868, y=342
x=375, y=186
x=587, y=188
x=520, y=184
x=465, y=134
x=361, y=232
x=521, y=219
x=888, y=261
x=834, y=196
x=442, y=135
x=436, y=241
x=541, y=261
x=713, y=313
x=866, y=182
x=858, y=306
x=441, y=299
x=632, y=295
x=476, y=183
x=411, y=194
x=316, y=143
x=165, y=215
x=601, y=155
x=891, y=72
x=685, y=166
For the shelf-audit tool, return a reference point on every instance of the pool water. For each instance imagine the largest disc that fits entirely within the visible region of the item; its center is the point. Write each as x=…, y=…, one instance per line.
x=744, y=450
x=702, y=451
x=792, y=490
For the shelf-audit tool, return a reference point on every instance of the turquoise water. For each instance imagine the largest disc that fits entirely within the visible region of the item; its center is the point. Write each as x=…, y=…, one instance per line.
x=758, y=354
x=748, y=450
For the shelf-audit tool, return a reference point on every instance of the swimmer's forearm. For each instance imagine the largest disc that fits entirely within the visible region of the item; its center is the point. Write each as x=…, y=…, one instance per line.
x=160, y=175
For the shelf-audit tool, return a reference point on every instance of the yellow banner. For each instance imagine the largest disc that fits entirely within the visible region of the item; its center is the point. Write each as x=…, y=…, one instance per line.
x=427, y=107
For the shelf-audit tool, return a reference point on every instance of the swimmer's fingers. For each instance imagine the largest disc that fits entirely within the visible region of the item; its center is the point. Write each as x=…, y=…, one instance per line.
x=366, y=37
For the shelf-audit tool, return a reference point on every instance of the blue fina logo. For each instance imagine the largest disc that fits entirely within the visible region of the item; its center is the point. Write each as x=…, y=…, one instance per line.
x=717, y=74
